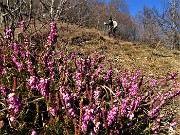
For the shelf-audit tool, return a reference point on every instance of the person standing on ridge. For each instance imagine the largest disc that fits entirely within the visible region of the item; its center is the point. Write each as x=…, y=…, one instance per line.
x=112, y=27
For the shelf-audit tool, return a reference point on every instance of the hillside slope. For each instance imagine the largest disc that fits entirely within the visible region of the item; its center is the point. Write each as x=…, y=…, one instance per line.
x=156, y=61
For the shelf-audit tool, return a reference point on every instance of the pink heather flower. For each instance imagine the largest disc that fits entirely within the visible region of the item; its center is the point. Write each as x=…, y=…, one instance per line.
x=45, y=59
x=158, y=120
x=84, y=127
x=43, y=87
x=131, y=115
x=88, y=62
x=154, y=99
x=4, y=71
x=133, y=90
x=78, y=76
x=22, y=25
x=80, y=63
x=14, y=59
x=97, y=72
x=51, y=68
x=173, y=123
x=34, y=132
x=29, y=66
x=1, y=60
x=137, y=103
x=108, y=75
x=66, y=98
x=112, y=114
x=154, y=128
x=71, y=112
x=78, y=79
x=14, y=103
x=52, y=35
x=73, y=56
x=129, y=124
x=87, y=117
x=172, y=76
x=19, y=65
x=12, y=118
x=124, y=107
x=33, y=82
x=8, y=34
x=137, y=74
x=16, y=48
x=92, y=133
x=97, y=126
x=79, y=83
x=96, y=96
x=26, y=42
x=153, y=83
x=154, y=113
x=52, y=111
x=4, y=91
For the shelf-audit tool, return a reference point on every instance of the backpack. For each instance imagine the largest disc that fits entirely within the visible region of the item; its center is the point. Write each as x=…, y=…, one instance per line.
x=114, y=24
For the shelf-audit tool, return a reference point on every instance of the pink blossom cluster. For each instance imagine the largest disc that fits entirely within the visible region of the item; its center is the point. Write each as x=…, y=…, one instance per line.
x=4, y=91
x=27, y=45
x=87, y=118
x=33, y=82
x=156, y=125
x=79, y=80
x=97, y=73
x=22, y=25
x=8, y=33
x=97, y=126
x=18, y=50
x=34, y=132
x=80, y=64
x=30, y=66
x=159, y=100
x=124, y=107
x=53, y=34
x=52, y=111
x=112, y=115
x=14, y=103
x=43, y=87
x=14, y=106
x=68, y=100
x=108, y=75
x=18, y=64
x=96, y=97
x=1, y=59
x=49, y=62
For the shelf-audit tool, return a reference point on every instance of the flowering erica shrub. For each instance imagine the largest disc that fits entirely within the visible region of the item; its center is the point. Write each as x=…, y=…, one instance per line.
x=47, y=91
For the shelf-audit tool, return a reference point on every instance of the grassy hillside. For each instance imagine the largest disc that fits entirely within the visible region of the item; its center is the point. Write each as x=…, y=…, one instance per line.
x=153, y=60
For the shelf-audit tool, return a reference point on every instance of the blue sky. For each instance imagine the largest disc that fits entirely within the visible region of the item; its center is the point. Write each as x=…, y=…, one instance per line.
x=136, y=5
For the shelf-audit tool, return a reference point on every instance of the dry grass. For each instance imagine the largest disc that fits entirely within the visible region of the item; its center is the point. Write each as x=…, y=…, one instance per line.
x=157, y=61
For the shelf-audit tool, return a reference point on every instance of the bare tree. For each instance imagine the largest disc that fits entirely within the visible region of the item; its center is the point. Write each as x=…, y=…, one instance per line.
x=170, y=23
x=149, y=30
x=12, y=12
x=118, y=6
